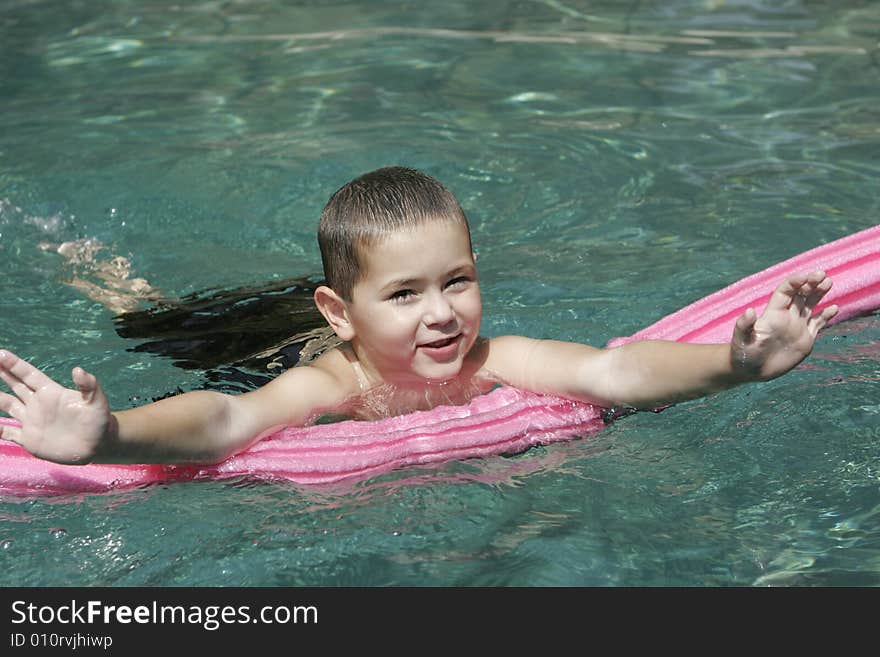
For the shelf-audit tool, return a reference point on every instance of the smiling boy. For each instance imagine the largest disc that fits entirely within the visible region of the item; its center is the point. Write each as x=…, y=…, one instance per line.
x=403, y=295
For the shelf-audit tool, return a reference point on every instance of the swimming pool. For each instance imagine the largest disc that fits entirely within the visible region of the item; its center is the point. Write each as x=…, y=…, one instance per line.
x=616, y=163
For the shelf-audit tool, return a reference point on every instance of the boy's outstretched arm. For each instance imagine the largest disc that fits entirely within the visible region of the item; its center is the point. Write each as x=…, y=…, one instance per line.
x=648, y=374
x=78, y=427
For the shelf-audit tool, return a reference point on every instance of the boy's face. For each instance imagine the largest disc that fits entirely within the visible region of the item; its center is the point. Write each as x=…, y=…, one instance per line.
x=416, y=309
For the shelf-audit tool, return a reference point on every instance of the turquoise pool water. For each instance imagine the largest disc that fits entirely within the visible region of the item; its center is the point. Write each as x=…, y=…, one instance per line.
x=617, y=161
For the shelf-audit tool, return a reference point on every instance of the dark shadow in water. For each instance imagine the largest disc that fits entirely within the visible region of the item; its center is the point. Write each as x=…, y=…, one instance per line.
x=263, y=329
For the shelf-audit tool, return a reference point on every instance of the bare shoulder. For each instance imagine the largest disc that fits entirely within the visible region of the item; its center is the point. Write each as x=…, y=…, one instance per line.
x=549, y=366
x=500, y=358
x=334, y=365
x=302, y=393
x=523, y=348
x=330, y=371
x=504, y=348
x=510, y=343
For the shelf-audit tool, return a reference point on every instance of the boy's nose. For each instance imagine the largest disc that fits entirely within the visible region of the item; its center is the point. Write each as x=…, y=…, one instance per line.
x=439, y=311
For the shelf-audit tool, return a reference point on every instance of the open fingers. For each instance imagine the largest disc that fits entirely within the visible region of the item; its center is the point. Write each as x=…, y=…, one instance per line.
x=18, y=387
x=816, y=294
x=86, y=383
x=11, y=405
x=805, y=291
x=745, y=323
x=20, y=375
x=819, y=320
x=10, y=432
x=787, y=291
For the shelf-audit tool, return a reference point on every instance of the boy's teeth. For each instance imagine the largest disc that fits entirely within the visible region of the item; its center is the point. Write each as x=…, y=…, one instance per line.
x=440, y=343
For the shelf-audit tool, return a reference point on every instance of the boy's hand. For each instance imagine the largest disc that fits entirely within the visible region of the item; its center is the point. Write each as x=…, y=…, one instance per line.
x=57, y=424
x=768, y=346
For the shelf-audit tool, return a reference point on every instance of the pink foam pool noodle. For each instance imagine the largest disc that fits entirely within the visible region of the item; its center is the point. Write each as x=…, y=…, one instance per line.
x=503, y=421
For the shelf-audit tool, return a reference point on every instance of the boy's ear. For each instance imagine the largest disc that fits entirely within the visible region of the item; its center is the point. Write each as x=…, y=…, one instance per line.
x=335, y=311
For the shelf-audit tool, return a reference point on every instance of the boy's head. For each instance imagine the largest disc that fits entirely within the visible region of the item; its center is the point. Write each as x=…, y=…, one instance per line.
x=372, y=207
x=402, y=284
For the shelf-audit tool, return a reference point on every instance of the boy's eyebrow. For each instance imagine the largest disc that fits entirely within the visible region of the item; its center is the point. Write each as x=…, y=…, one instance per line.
x=399, y=282
x=408, y=282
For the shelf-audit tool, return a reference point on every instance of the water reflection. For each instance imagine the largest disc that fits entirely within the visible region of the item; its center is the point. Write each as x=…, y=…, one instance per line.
x=617, y=160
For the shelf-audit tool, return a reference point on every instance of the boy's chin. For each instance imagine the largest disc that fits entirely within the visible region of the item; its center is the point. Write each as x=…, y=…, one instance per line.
x=438, y=375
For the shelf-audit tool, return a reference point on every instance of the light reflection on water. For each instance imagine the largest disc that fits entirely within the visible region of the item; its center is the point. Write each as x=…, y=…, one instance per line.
x=616, y=164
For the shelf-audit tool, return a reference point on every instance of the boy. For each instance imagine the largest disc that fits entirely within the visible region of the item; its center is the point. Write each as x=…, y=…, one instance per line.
x=402, y=294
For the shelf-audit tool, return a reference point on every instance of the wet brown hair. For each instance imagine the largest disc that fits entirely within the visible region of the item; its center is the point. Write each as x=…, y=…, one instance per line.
x=372, y=206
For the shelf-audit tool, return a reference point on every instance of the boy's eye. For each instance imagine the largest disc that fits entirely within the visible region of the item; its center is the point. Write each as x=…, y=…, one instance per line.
x=401, y=295
x=458, y=281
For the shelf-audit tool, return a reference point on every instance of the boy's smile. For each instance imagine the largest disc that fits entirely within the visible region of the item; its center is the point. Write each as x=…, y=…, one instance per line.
x=416, y=309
